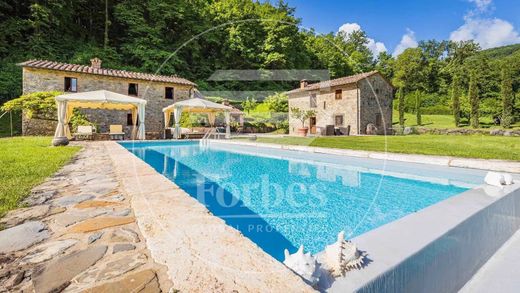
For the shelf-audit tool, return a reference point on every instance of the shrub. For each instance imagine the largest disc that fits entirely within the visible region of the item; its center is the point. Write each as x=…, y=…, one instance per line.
x=39, y=104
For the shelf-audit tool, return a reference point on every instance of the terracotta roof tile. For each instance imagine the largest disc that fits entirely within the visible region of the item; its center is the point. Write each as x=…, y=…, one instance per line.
x=335, y=82
x=44, y=64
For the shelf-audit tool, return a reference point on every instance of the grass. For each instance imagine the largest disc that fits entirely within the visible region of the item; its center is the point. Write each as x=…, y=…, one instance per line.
x=467, y=146
x=445, y=121
x=5, y=124
x=24, y=163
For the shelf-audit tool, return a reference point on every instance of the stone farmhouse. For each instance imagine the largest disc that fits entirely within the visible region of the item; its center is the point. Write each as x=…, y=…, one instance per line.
x=353, y=101
x=159, y=91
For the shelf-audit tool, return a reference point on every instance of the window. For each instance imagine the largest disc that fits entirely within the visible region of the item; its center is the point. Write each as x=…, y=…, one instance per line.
x=168, y=93
x=71, y=84
x=132, y=89
x=314, y=102
x=338, y=120
x=129, y=121
x=324, y=105
x=378, y=120
x=339, y=94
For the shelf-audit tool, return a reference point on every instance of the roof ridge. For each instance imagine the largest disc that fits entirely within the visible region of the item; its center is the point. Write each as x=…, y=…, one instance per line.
x=80, y=68
x=335, y=82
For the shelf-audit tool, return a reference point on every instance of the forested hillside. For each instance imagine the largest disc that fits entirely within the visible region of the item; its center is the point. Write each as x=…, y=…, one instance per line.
x=193, y=38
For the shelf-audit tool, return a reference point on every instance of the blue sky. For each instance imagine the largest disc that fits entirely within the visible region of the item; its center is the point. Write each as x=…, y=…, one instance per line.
x=400, y=24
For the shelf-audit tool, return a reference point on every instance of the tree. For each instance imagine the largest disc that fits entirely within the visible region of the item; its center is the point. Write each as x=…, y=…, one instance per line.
x=400, y=94
x=277, y=103
x=507, y=98
x=455, y=98
x=474, y=100
x=418, y=107
x=410, y=70
x=302, y=115
x=385, y=65
x=249, y=104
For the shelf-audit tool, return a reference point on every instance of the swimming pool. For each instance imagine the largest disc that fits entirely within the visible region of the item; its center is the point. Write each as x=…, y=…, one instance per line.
x=282, y=199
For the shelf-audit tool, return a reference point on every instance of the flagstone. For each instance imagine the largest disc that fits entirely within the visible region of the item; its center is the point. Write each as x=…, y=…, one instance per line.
x=143, y=281
x=22, y=236
x=100, y=223
x=48, y=250
x=57, y=275
x=19, y=216
x=95, y=204
x=124, y=235
x=72, y=199
x=122, y=247
x=73, y=217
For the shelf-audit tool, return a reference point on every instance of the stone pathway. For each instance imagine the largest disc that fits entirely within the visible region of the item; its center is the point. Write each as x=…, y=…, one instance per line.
x=78, y=235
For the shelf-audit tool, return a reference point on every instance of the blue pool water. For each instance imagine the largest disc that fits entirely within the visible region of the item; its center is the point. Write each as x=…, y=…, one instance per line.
x=282, y=199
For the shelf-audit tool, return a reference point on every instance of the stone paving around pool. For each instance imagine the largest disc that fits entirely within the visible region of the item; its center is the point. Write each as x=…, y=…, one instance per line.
x=108, y=222
x=78, y=234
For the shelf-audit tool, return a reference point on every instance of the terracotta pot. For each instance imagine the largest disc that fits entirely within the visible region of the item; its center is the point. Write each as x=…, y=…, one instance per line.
x=303, y=131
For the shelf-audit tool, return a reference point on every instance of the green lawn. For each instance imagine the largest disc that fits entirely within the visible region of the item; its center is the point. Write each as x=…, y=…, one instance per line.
x=445, y=121
x=5, y=124
x=24, y=163
x=467, y=146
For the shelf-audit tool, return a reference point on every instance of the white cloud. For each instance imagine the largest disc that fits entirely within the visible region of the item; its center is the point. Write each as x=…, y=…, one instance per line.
x=488, y=33
x=407, y=41
x=482, y=5
x=373, y=46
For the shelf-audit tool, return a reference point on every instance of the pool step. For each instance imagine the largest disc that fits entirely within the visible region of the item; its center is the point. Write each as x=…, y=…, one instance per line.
x=501, y=273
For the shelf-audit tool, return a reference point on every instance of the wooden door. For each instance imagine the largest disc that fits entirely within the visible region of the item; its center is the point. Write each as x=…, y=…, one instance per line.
x=312, y=124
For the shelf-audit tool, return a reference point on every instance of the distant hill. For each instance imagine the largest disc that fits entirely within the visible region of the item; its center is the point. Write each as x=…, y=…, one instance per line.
x=501, y=52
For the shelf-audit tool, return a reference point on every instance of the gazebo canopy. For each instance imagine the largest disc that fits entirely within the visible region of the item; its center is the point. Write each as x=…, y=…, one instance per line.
x=101, y=99
x=196, y=105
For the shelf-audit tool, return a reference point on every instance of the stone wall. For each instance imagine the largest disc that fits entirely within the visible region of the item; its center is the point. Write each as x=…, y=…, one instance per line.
x=37, y=126
x=35, y=80
x=376, y=97
x=327, y=107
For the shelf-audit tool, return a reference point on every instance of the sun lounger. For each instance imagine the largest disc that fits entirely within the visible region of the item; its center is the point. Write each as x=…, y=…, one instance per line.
x=116, y=132
x=84, y=132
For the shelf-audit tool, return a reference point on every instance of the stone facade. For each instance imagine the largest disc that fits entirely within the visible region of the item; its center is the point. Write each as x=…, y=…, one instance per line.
x=359, y=105
x=37, y=79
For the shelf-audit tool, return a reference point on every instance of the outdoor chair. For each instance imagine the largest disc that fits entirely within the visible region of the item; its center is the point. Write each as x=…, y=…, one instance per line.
x=84, y=132
x=116, y=132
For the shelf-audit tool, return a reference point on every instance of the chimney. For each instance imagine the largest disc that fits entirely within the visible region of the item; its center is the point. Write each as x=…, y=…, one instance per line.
x=303, y=83
x=95, y=63
x=225, y=102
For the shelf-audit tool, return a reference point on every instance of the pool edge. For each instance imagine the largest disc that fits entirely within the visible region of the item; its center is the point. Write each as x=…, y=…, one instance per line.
x=179, y=231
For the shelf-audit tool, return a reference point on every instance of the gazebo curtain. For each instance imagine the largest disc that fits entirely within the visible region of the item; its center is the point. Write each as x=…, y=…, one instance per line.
x=62, y=112
x=177, y=115
x=211, y=118
x=99, y=100
x=142, y=130
x=227, y=115
x=134, y=123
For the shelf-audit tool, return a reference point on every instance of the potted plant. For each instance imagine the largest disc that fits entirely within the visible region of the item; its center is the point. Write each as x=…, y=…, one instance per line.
x=302, y=115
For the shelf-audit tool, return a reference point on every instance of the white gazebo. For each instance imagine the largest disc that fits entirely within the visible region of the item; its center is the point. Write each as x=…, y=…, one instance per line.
x=196, y=105
x=98, y=100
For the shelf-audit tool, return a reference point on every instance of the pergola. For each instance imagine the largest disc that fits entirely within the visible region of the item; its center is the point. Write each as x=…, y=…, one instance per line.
x=99, y=100
x=196, y=105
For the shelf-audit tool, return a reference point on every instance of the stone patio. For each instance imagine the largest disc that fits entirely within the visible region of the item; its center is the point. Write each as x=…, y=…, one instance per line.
x=108, y=222
x=78, y=234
